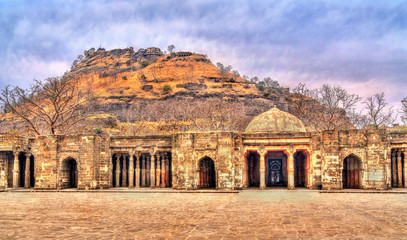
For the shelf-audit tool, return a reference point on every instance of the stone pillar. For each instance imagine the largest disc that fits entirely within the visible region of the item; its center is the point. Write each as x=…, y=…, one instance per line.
x=399, y=170
x=143, y=170
x=167, y=170
x=131, y=171
x=2, y=179
x=157, y=170
x=162, y=171
x=137, y=170
x=152, y=171
x=148, y=170
x=262, y=170
x=404, y=167
x=16, y=171
x=27, y=171
x=290, y=170
x=117, y=170
x=124, y=172
x=394, y=169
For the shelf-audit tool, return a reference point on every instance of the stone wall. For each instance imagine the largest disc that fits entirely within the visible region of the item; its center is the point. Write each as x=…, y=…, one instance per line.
x=371, y=149
x=93, y=155
x=190, y=148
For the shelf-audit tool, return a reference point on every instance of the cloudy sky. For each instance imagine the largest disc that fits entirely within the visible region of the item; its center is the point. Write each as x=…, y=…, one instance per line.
x=359, y=45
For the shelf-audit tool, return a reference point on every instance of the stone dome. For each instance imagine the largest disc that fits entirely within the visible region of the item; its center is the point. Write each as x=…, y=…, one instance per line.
x=275, y=120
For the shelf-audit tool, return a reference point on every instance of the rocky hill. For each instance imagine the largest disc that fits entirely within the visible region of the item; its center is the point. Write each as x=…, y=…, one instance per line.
x=124, y=76
x=147, y=91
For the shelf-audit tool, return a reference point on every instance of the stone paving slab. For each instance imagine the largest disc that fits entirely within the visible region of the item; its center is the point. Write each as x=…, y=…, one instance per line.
x=247, y=215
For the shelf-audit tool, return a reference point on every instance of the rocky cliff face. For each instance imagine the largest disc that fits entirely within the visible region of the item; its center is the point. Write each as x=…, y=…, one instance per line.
x=121, y=77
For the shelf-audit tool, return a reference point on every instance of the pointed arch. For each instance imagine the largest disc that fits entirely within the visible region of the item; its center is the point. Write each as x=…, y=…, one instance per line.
x=352, y=171
x=207, y=173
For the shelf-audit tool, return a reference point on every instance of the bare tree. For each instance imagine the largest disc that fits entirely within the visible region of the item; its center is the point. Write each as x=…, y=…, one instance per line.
x=325, y=108
x=51, y=106
x=171, y=48
x=223, y=70
x=254, y=79
x=268, y=82
x=404, y=110
x=135, y=119
x=218, y=115
x=336, y=102
x=377, y=114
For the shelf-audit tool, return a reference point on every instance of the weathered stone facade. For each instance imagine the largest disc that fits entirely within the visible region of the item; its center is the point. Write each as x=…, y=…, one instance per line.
x=366, y=159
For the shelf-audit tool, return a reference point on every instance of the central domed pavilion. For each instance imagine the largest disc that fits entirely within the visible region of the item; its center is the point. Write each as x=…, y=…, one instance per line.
x=275, y=120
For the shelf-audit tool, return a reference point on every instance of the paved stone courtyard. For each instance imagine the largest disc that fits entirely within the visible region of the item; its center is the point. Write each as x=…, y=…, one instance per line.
x=248, y=214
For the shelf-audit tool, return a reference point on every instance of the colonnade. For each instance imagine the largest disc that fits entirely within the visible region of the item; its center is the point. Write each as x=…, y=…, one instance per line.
x=141, y=169
x=18, y=169
x=398, y=167
x=286, y=166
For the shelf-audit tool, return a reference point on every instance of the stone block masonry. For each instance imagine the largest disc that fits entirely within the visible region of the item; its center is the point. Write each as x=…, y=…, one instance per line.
x=373, y=159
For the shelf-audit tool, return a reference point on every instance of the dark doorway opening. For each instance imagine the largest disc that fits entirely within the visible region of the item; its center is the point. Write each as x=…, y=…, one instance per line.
x=351, y=172
x=300, y=169
x=253, y=169
x=276, y=169
x=207, y=175
x=69, y=173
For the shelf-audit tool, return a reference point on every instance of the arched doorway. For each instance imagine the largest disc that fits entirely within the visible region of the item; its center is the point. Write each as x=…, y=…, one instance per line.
x=351, y=172
x=276, y=169
x=301, y=168
x=207, y=175
x=69, y=173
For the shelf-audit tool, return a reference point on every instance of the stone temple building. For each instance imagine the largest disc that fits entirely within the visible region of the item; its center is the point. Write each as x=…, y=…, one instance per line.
x=274, y=151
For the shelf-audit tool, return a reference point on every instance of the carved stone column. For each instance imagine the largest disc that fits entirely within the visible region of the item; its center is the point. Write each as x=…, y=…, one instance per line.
x=162, y=171
x=131, y=171
x=143, y=170
x=399, y=170
x=167, y=170
x=137, y=169
x=394, y=169
x=157, y=170
x=27, y=171
x=124, y=172
x=148, y=170
x=262, y=170
x=16, y=170
x=117, y=170
x=152, y=171
x=290, y=170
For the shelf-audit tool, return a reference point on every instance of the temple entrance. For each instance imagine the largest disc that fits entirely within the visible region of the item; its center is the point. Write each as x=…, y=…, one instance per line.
x=351, y=172
x=276, y=165
x=69, y=173
x=300, y=169
x=207, y=175
x=253, y=169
